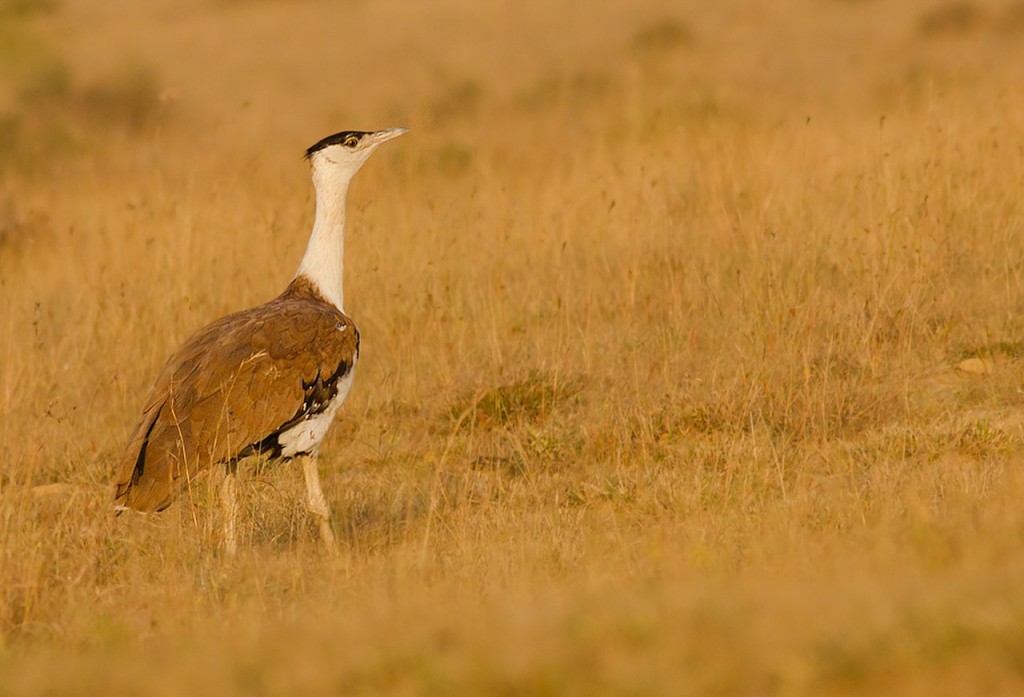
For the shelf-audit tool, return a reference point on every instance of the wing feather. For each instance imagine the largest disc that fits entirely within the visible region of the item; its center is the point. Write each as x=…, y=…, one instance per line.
x=229, y=387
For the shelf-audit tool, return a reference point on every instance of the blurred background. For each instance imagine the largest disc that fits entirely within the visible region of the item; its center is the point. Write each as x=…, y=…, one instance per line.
x=258, y=75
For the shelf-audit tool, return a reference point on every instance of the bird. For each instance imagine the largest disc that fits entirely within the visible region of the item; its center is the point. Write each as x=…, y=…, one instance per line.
x=265, y=381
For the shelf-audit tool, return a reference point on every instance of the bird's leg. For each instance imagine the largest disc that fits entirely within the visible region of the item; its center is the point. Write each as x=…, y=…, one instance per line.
x=315, y=501
x=230, y=504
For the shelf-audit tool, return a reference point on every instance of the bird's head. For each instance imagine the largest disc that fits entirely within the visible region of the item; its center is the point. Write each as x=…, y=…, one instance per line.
x=339, y=156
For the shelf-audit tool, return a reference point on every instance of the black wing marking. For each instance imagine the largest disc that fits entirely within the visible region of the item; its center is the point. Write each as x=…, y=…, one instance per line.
x=317, y=396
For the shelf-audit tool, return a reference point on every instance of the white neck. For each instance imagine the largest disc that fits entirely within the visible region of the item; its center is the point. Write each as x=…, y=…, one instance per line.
x=324, y=261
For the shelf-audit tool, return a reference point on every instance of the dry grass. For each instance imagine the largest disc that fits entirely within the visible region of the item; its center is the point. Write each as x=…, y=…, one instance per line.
x=661, y=304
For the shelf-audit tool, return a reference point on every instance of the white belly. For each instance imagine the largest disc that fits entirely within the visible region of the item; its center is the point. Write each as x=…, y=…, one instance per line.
x=305, y=436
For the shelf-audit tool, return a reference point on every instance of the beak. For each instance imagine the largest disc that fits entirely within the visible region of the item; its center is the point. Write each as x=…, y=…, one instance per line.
x=378, y=137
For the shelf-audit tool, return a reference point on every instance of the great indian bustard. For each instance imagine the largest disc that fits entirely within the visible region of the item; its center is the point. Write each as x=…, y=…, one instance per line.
x=267, y=380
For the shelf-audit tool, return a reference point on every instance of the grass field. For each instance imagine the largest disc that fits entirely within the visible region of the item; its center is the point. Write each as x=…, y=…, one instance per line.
x=692, y=345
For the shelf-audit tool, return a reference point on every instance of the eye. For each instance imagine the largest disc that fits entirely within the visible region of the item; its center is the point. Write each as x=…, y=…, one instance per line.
x=351, y=142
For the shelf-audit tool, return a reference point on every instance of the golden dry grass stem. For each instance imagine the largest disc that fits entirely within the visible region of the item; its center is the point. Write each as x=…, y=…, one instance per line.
x=691, y=348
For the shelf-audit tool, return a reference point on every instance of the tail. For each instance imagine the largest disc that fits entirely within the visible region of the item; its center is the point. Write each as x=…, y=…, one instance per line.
x=143, y=492
x=144, y=482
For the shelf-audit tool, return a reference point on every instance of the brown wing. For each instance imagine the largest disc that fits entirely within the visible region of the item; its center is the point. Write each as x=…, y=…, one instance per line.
x=229, y=387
